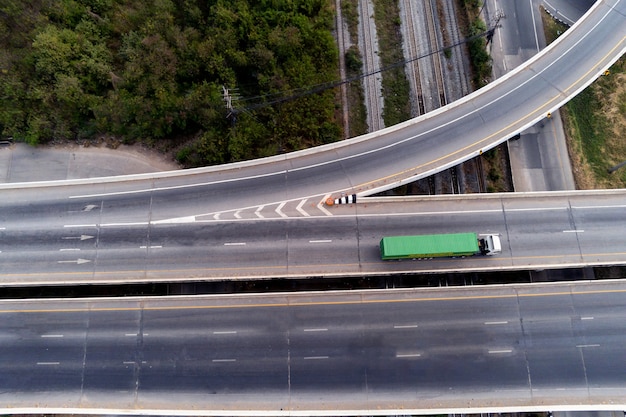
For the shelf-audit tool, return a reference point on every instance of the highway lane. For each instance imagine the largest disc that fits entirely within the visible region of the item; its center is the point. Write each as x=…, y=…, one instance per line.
x=367, y=352
x=404, y=152
x=538, y=231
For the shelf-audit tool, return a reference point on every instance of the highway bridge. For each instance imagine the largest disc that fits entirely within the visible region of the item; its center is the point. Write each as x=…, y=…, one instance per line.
x=484, y=349
x=545, y=346
x=538, y=231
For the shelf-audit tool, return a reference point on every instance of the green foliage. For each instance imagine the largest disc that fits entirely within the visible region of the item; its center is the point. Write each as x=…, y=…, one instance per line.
x=353, y=59
x=396, y=86
x=154, y=70
x=481, y=60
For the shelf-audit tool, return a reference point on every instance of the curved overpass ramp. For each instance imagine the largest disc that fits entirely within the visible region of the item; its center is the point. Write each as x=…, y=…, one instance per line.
x=399, y=154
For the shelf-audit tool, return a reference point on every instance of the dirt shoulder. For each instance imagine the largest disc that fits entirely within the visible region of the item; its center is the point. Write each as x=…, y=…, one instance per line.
x=22, y=163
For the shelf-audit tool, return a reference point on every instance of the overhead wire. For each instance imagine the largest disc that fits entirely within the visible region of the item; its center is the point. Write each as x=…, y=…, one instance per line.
x=315, y=89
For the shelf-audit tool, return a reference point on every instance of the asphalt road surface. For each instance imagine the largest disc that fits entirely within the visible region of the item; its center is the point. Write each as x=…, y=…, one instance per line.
x=104, y=244
x=370, y=351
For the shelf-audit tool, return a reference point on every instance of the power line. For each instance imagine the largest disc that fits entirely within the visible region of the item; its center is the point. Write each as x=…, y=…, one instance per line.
x=305, y=91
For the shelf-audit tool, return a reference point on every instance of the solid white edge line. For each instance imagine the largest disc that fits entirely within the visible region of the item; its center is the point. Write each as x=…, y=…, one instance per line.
x=52, y=335
x=496, y=322
x=573, y=231
x=408, y=355
x=496, y=351
x=235, y=244
x=321, y=241
x=588, y=346
x=48, y=363
x=307, y=358
x=226, y=332
x=316, y=330
x=405, y=326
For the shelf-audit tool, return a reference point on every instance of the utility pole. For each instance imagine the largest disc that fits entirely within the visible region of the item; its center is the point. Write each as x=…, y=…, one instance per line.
x=499, y=16
x=228, y=99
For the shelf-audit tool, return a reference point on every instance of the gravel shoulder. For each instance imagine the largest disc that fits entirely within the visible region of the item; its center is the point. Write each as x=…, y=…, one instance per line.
x=22, y=163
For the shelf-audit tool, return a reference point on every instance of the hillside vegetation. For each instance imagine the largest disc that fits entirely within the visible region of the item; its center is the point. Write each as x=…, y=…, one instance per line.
x=154, y=70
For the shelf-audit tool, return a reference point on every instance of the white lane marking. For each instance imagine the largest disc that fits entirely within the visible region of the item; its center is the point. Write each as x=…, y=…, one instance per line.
x=588, y=346
x=534, y=209
x=321, y=241
x=405, y=326
x=308, y=358
x=216, y=216
x=600, y=207
x=128, y=363
x=52, y=335
x=586, y=318
x=77, y=261
x=320, y=205
x=366, y=215
x=408, y=355
x=81, y=237
x=237, y=215
x=177, y=187
x=301, y=210
x=124, y=224
x=280, y=206
x=316, y=330
x=48, y=363
x=224, y=360
x=258, y=212
x=151, y=247
x=3, y=228
x=496, y=351
x=226, y=332
x=235, y=244
x=496, y=322
x=130, y=334
x=573, y=231
x=80, y=225
x=68, y=249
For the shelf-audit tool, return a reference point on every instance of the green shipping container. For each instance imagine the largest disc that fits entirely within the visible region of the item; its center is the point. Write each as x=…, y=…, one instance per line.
x=429, y=246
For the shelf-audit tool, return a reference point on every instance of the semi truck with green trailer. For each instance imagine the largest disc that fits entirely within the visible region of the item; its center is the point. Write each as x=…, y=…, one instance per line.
x=439, y=246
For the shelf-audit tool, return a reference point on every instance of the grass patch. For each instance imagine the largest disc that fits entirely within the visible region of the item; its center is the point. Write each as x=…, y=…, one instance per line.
x=595, y=125
x=396, y=88
x=552, y=28
x=357, y=113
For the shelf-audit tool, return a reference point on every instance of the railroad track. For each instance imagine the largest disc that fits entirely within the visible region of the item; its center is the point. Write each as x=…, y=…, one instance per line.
x=372, y=85
x=412, y=50
x=434, y=47
x=456, y=78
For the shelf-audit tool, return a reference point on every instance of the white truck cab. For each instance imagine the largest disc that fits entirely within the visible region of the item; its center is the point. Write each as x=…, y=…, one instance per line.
x=493, y=246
